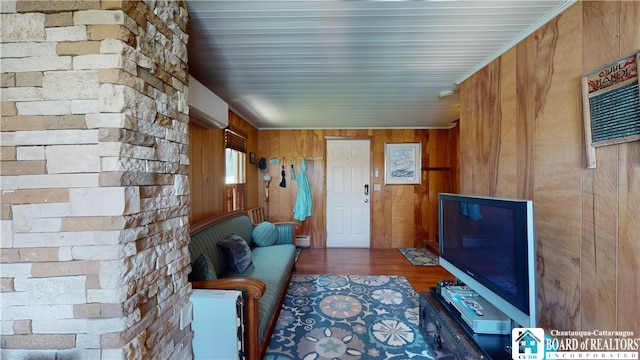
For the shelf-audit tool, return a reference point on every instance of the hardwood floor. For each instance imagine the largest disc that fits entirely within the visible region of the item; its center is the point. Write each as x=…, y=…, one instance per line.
x=369, y=262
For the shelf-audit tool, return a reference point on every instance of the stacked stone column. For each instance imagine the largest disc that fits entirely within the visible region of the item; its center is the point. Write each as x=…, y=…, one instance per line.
x=94, y=189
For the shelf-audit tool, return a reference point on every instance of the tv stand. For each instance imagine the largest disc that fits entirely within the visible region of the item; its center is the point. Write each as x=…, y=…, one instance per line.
x=449, y=336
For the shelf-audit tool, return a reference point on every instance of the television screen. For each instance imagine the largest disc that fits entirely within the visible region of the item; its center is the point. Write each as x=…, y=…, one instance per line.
x=490, y=241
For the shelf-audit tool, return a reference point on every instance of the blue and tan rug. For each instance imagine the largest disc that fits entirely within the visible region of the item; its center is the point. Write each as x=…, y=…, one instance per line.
x=348, y=317
x=420, y=256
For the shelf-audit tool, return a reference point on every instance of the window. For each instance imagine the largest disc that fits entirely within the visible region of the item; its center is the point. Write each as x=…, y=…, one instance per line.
x=235, y=169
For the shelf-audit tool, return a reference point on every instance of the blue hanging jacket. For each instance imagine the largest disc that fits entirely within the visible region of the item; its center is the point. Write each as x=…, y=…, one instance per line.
x=302, y=208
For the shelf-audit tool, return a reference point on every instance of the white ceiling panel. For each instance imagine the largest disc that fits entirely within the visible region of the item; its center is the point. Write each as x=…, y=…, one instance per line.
x=351, y=64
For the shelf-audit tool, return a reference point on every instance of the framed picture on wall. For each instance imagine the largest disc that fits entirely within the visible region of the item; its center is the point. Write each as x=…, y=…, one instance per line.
x=402, y=163
x=252, y=158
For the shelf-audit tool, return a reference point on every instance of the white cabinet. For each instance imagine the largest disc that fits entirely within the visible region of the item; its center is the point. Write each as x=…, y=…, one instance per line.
x=217, y=324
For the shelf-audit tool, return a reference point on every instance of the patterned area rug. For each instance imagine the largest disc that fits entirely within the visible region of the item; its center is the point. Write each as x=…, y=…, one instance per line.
x=420, y=256
x=348, y=317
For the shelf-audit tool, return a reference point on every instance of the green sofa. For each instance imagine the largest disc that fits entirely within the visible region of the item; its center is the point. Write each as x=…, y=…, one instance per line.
x=265, y=280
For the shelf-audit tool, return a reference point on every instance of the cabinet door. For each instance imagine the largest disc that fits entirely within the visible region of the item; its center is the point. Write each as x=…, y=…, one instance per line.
x=441, y=333
x=215, y=324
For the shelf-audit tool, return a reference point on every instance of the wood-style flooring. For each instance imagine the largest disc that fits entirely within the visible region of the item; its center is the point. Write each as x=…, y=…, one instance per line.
x=369, y=262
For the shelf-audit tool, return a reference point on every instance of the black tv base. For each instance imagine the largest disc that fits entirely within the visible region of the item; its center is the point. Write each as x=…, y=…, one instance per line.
x=450, y=337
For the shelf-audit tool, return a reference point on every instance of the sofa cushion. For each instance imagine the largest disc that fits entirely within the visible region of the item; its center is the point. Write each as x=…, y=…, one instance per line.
x=271, y=264
x=205, y=240
x=202, y=269
x=265, y=234
x=237, y=253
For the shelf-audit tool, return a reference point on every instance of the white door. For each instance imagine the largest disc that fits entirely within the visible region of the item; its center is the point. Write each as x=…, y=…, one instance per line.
x=348, y=193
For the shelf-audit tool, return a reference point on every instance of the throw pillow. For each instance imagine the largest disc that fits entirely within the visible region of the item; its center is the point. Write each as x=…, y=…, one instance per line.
x=265, y=234
x=202, y=269
x=236, y=252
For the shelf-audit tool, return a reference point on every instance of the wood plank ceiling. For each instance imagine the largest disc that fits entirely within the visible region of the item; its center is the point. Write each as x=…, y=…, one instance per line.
x=352, y=64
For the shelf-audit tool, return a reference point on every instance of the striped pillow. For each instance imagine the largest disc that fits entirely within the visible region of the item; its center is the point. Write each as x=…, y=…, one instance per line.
x=265, y=234
x=202, y=269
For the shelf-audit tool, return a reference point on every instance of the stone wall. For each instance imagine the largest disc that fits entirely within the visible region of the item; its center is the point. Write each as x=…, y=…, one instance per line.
x=95, y=195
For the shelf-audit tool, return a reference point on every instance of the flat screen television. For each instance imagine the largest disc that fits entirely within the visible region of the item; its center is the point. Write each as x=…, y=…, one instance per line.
x=489, y=244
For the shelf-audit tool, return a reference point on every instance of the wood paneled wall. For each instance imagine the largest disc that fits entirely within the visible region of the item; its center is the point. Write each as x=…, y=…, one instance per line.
x=402, y=215
x=521, y=135
x=207, y=168
x=206, y=172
